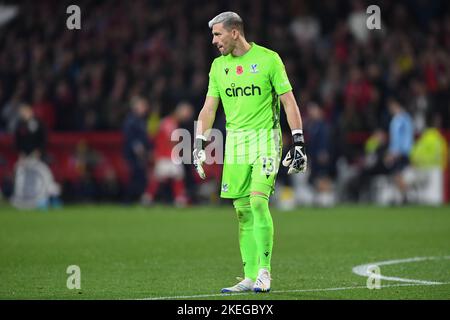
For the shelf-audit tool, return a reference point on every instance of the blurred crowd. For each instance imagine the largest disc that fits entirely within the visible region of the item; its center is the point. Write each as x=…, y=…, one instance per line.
x=344, y=75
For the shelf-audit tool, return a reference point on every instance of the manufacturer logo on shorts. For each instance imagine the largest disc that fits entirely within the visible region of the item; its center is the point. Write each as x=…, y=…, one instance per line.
x=225, y=187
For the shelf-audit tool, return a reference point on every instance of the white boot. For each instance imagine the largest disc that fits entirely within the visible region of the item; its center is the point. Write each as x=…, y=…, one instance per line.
x=243, y=286
x=262, y=283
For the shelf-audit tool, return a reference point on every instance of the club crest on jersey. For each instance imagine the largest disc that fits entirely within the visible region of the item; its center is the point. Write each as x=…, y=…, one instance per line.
x=225, y=187
x=239, y=70
x=254, y=68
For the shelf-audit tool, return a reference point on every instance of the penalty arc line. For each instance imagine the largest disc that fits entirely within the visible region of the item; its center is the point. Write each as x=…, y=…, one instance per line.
x=292, y=291
x=361, y=270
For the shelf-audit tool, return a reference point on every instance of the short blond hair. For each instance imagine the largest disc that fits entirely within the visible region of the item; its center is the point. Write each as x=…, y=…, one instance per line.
x=229, y=19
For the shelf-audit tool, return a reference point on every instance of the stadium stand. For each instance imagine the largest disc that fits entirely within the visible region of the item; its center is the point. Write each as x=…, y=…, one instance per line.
x=80, y=82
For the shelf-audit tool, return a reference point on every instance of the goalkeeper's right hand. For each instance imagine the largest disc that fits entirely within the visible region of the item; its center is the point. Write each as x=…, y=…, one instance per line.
x=199, y=155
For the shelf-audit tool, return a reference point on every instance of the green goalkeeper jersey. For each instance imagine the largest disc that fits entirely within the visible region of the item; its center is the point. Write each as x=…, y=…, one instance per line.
x=249, y=86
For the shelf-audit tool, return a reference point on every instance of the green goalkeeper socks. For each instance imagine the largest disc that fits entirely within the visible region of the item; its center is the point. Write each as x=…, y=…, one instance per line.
x=247, y=240
x=255, y=233
x=262, y=229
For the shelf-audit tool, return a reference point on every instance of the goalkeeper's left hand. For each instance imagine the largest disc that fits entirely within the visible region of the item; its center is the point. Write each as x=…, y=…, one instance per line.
x=296, y=158
x=199, y=155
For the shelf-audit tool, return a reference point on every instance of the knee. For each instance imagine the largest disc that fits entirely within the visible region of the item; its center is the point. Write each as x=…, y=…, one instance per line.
x=243, y=210
x=259, y=203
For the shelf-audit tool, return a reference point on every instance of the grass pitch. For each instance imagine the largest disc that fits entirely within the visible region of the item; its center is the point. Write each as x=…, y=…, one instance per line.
x=135, y=252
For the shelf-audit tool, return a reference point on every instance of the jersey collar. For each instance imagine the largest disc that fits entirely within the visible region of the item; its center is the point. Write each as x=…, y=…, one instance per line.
x=252, y=46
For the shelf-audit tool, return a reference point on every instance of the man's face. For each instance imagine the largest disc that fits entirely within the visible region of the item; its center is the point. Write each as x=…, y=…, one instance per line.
x=184, y=112
x=223, y=39
x=314, y=112
x=393, y=106
x=26, y=113
x=141, y=107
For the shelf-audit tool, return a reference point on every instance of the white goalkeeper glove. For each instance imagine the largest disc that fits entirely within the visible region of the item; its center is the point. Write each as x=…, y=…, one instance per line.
x=296, y=158
x=199, y=155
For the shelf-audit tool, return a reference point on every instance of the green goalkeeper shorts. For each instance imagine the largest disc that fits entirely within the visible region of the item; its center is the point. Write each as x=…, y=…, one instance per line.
x=250, y=165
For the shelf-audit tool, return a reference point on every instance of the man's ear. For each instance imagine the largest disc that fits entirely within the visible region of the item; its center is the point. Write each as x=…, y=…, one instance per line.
x=235, y=34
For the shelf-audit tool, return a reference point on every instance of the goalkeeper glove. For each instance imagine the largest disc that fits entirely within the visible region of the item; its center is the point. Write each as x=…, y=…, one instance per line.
x=296, y=158
x=199, y=155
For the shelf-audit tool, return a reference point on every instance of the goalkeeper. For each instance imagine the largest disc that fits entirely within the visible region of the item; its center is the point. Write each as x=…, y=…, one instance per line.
x=250, y=80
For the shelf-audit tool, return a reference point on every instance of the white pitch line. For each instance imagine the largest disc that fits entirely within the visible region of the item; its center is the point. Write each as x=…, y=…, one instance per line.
x=291, y=291
x=363, y=270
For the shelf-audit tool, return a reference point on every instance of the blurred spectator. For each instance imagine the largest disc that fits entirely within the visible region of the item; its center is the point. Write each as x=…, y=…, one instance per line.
x=430, y=149
x=84, y=162
x=357, y=21
x=401, y=138
x=66, y=115
x=304, y=27
x=429, y=158
x=442, y=99
x=136, y=147
x=34, y=185
x=319, y=155
x=30, y=134
x=10, y=112
x=358, y=93
x=419, y=105
x=110, y=188
x=42, y=107
x=165, y=166
x=360, y=186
